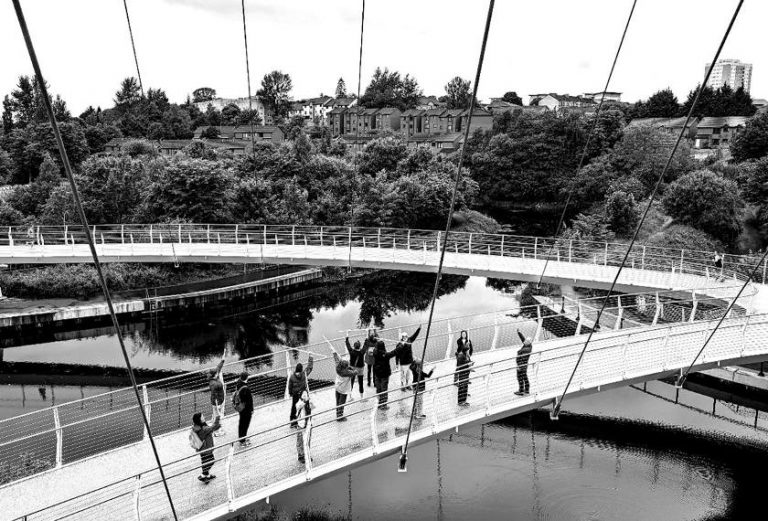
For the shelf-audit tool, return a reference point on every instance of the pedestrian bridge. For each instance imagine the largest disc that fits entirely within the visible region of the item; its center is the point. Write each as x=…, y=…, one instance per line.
x=585, y=263
x=92, y=458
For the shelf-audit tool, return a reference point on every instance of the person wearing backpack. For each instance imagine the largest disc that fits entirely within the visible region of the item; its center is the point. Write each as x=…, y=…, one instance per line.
x=242, y=402
x=302, y=421
x=343, y=384
x=382, y=371
x=201, y=439
x=369, y=348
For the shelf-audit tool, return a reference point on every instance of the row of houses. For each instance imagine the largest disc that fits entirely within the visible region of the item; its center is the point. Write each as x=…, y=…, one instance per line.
x=707, y=135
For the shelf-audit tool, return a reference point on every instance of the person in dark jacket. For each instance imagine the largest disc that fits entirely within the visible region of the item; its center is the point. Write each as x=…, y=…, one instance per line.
x=463, y=368
x=419, y=386
x=522, y=364
x=217, y=394
x=369, y=348
x=462, y=344
x=404, y=358
x=357, y=362
x=205, y=433
x=245, y=398
x=297, y=383
x=382, y=371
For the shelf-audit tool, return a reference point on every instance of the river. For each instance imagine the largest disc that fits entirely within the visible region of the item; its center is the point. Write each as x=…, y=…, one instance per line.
x=618, y=455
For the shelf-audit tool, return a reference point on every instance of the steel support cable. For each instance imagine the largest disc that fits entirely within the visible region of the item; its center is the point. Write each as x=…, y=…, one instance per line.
x=559, y=402
x=443, y=246
x=89, y=236
x=683, y=375
x=357, y=121
x=588, y=142
x=133, y=46
x=248, y=74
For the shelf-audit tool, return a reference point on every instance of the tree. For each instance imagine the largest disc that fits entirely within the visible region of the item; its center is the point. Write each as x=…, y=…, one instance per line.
x=26, y=105
x=589, y=228
x=458, y=95
x=389, y=89
x=230, y=114
x=752, y=142
x=662, y=104
x=210, y=133
x=128, y=95
x=28, y=146
x=621, y=212
x=7, y=115
x=249, y=117
x=382, y=154
x=274, y=90
x=512, y=97
x=203, y=94
x=193, y=190
x=29, y=199
x=706, y=201
x=341, y=89
x=720, y=102
x=756, y=190
x=6, y=167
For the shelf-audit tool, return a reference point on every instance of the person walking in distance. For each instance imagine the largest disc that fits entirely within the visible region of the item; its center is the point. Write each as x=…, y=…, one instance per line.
x=404, y=358
x=242, y=402
x=523, y=354
x=356, y=362
x=304, y=410
x=462, y=344
x=464, y=366
x=382, y=371
x=369, y=348
x=718, y=260
x=419, y=386
x=344, y=374
x=297, y=384
x=217, y=394
x=201, y=440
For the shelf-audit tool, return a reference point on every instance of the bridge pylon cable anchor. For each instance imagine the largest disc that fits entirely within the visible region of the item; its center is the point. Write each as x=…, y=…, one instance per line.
x=680, y=380
x=402, y=465
x=554, y=414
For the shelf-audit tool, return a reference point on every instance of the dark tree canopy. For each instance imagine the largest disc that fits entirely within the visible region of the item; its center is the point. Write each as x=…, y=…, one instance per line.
x=390, y=89
x=512, y=97
x=457, y=93
x=274, y=93
x=662, y=104
x=203, y=94
x=752, y=142
x=341, y=89
x=719, y=102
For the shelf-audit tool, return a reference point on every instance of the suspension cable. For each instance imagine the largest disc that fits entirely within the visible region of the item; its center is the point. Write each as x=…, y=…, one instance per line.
x=589, y=140
x=133, y=46
x=559, y=402
x=248, y=74
x=443, y=246
x=357, y=121
x=91, y=244
x=683, y=375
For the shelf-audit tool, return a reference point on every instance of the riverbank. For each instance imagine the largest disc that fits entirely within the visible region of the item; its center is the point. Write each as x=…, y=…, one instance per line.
x=16, y=313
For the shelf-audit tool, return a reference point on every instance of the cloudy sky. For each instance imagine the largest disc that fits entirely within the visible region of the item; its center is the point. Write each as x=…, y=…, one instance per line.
x=544, y=45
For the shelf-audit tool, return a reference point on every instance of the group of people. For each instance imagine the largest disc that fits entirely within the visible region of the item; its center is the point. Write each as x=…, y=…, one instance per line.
x=350, y=372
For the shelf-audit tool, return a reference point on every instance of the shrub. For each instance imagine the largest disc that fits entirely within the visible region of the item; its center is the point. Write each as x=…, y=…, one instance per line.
x=621, y=212
x=681, y=237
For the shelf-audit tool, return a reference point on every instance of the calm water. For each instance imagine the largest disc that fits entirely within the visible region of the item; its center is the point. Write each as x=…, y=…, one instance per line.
x=619, y=455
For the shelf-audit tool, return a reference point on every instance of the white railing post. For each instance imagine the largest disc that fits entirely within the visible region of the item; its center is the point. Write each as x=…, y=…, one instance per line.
x=378, y=238
x=409, y=240
x=439, y=243
x=620, y=314
x=488, y=389
x=657, y=312
x=122, y=234
x=606, y=254
x=180, y=233
x=59, y=437
x=502, y=246
x=137, y=498
x=293, y=235
x=147, y=408
x=470, y=244
x=230, y=487
x=539, y=324
x=208, y=233
x=374, y=433
x=151, y=241
x=495, y=341
x=695, y=305
x=581, y=320
x=643, y=259
x=425, y=252
x=321, y=236
x=535, y=247
x=570, y=250
x=237, y=234
x=287, y=374
x=307, y=446
x=744, y=335
x=450, y=341
x=265, y=235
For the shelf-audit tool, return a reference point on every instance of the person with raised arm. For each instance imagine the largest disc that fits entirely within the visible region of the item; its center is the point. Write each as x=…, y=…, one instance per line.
x=404, y=358
x=297, y=384
x=523, y=354
x=217, y=394
x=369, y=348
x=357, y=362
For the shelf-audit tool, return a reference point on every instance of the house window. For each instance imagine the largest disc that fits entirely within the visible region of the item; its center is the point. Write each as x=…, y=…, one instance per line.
x=715, y=130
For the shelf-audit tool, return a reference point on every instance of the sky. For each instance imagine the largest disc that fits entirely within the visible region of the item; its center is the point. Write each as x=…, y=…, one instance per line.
x=564, y=46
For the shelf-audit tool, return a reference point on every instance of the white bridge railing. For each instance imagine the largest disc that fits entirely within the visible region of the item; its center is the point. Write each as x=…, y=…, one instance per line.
x=270, y=465
x=177, y=242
